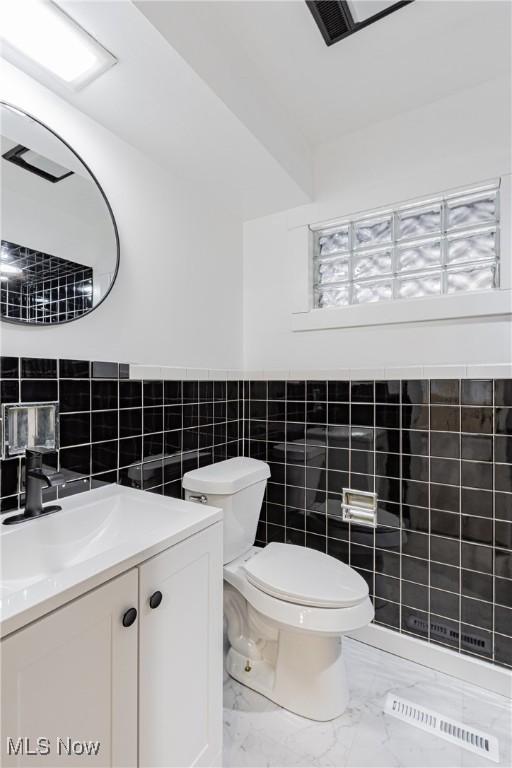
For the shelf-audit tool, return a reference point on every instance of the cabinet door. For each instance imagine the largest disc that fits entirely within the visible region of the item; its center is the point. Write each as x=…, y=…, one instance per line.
x=180, y=646
x=73, y=675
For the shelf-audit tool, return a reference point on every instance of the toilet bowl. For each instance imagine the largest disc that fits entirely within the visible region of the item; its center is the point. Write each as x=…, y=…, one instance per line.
x=286, y=607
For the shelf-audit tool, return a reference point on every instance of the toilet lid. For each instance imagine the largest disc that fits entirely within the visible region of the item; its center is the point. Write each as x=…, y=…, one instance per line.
x=305, y=576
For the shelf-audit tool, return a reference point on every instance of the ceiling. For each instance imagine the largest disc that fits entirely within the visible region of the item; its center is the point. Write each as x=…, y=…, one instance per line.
x=154, y=100
x=235, y=96
x=418, y=54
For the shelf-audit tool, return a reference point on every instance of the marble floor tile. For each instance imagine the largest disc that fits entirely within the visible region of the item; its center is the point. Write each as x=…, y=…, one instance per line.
x=259, y=733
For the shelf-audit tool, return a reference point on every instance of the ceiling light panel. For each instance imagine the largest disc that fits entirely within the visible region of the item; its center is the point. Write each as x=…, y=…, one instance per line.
x=38, y=32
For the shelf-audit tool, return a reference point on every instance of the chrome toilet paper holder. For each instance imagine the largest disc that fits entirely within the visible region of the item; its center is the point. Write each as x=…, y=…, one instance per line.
x=359, y=507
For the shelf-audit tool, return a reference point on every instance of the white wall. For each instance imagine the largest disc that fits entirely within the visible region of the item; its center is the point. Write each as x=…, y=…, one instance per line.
x=177, y=298
x=450, y=143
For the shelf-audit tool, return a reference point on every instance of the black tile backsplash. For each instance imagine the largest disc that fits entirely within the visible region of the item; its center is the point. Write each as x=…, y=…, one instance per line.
x=74, y=369
x=38, y=368
x=445, y=444
x=477, y=447
x=74, y=396
x=503, y=392
x=104, y=394
x=38, y=390
x=438, y=454
x=445, y=391
x=475, y=392
x=445, y=418
x=115, y=429
x=9, y=367
x=75, y=428
x=104, y=425
x=9, y=390
x=503, y=421
x=102, y=370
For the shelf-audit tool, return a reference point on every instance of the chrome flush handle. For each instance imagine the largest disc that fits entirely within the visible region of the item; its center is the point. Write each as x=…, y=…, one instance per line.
x=201, y=499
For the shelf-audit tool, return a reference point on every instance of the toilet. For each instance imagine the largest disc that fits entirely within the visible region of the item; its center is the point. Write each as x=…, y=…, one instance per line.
x=286, y=607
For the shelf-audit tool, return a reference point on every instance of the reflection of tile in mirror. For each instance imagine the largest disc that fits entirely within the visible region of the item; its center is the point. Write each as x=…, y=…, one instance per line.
x=41, y=288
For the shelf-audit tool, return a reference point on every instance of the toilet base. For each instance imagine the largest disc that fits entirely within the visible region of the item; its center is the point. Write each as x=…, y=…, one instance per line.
x=308, y=676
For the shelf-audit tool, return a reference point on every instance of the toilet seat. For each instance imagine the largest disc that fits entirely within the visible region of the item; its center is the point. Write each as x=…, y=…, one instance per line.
x=292, y=615
x=305, y=576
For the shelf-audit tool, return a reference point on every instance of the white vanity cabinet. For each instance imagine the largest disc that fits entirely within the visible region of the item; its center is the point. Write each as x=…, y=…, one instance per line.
x=180, y=654
x=73, y=674
x=148, y=688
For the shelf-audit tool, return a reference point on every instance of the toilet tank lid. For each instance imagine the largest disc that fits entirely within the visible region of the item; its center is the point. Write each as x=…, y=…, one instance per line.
x=226, y=477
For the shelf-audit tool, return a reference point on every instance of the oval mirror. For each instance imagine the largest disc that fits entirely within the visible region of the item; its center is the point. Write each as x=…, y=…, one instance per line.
x=60, y=247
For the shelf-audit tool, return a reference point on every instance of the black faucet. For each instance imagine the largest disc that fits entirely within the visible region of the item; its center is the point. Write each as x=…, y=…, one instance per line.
x=35, y=480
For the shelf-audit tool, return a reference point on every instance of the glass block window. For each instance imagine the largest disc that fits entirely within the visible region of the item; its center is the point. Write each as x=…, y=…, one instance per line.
x=448, y=244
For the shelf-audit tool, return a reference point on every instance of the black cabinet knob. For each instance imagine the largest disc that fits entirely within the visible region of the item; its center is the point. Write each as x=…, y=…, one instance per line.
x=155, y=599
x=129, y=617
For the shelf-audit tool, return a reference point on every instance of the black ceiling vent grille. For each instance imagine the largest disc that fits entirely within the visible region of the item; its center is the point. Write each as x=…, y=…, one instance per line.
x=336, y=21
x=332, y=19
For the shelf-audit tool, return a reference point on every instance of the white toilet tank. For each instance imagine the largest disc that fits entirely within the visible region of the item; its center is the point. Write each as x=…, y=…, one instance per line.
x=236, y=486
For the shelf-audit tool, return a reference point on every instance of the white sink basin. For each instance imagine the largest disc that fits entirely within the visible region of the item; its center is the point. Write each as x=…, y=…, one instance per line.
x=97, y=535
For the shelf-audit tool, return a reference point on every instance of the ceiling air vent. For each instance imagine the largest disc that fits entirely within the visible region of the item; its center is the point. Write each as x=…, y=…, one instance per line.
x=332, y=19
x=337, y=19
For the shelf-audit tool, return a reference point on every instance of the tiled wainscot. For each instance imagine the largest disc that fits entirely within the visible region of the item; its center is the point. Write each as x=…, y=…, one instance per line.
x=438, y=453
x=144, y=434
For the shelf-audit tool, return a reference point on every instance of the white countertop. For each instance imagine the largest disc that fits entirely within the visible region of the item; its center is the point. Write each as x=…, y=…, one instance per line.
x=97, y=535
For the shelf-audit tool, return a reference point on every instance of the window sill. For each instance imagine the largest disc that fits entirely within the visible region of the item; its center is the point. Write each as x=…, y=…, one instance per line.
x=468, y=305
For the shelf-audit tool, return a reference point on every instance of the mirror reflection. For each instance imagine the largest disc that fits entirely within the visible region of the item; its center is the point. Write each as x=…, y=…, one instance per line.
x=59, y=249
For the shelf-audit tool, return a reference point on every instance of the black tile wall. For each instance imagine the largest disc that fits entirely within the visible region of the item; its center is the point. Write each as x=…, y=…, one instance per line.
x=439, y=455
x=115, y=429
x=63, y=294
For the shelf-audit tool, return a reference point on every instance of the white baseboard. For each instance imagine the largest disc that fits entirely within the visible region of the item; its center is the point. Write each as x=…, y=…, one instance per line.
x=467, y=668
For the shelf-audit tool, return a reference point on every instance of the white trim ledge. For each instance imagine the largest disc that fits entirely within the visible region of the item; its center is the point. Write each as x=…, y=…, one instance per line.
x=466, y=668
x=467, y=305
x=461, y=371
